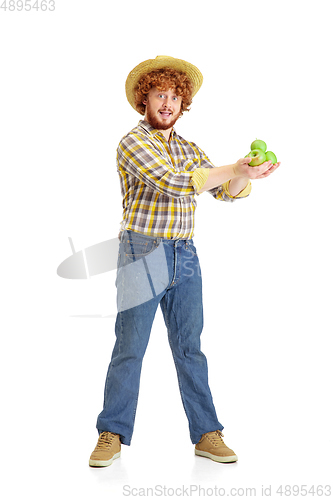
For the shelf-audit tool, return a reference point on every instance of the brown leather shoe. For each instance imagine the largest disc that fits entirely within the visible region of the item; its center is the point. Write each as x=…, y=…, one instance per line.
x=211, y=445
x=106, y=451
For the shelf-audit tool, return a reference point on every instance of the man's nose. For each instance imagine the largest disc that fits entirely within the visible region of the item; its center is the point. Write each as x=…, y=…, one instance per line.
x=168, y=102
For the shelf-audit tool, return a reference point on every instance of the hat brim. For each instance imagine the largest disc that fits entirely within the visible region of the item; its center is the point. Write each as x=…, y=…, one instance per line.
x=191, y=71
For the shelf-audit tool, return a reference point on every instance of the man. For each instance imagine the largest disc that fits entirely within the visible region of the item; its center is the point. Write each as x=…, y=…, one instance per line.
x=160, y=174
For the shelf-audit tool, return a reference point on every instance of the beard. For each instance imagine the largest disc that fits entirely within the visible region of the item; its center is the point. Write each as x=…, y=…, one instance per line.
x=159, y=125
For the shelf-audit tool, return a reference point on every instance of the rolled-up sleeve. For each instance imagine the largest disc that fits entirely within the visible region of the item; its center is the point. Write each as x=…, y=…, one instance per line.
x=220, y=192
x=199, y=178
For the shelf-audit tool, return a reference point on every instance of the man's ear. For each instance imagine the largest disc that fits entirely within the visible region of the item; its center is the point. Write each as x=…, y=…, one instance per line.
x=144, y=101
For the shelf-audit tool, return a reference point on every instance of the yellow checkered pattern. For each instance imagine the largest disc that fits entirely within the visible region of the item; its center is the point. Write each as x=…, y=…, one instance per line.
x=159, y=180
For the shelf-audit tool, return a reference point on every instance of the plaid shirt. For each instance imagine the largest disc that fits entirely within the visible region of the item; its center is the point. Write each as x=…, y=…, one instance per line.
x=158, y=182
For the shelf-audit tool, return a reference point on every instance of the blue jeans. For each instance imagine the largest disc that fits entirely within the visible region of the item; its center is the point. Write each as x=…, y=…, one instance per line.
x=153, y=271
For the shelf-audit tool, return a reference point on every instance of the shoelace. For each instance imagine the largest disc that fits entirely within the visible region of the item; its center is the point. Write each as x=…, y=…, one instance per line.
x=216, y=438
x=105, y=439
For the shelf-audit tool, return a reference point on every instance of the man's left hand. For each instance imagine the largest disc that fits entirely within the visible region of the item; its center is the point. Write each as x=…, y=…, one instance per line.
x=269, y=171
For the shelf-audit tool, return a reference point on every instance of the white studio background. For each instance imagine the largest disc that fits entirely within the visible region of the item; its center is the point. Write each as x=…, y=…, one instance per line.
x=266, y=260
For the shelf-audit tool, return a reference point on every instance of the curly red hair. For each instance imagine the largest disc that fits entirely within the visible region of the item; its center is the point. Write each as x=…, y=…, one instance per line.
x=164, y=79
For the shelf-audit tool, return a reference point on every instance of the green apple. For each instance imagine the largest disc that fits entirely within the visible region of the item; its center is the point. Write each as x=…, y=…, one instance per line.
x=271, y=156
x=258, y=144
x=258, y=157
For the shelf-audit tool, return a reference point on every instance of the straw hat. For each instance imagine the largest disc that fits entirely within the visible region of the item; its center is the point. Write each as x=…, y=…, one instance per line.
x=159, y=62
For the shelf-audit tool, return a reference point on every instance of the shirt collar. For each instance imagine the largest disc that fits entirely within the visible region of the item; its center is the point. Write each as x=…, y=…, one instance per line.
x=153, y=131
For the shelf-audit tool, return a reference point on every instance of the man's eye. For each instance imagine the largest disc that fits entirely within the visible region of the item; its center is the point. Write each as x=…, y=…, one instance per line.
x=175, y=98
x=161, y=95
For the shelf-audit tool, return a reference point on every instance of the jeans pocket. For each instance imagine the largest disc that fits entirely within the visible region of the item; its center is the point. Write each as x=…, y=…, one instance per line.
x=137, y=246
x=191, y=248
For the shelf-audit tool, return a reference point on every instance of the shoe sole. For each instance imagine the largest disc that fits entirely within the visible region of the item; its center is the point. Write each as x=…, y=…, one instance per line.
x=103, y=463
x=216, y=458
